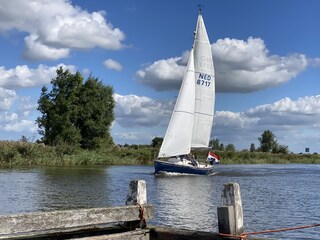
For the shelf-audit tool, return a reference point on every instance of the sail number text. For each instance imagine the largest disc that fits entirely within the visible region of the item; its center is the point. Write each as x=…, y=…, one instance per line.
x=204, y=79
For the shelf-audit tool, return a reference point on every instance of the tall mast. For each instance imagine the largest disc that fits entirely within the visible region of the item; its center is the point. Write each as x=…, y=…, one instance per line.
x=200, y=8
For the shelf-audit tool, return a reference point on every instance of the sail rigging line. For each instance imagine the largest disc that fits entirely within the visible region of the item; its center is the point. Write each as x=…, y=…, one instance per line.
x=184, y=112
x=205, y=114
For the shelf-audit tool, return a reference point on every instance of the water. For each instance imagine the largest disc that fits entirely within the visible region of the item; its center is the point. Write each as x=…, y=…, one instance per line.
x=274, y=196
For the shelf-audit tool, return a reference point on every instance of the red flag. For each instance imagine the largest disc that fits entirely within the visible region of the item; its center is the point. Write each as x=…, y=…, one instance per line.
x=212, y=155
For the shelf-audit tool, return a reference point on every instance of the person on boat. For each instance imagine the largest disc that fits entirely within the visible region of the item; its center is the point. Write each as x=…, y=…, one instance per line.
x=193, y=160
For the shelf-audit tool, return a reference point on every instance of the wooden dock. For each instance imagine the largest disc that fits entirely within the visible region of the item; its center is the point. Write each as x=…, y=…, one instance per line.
x=119, y=223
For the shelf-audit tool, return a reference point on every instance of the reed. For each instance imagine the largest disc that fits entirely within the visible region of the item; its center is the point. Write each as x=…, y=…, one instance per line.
x=15, y=153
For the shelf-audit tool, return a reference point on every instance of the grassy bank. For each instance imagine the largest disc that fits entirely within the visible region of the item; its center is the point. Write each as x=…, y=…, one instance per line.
x=24, y=153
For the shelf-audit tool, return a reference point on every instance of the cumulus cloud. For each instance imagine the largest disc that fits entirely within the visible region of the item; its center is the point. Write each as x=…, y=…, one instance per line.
x=303, y=111
x=36, y=50
x=290, y=120
x=132, y=110
x=17, y=122
x=7, y=98
x=19, y=118
x=247, y=66
x=241, y=66
x=56, y=27
x=19, y=126
x=165, y=74
x=112, y=64
x=22, y=76
x=132, y=137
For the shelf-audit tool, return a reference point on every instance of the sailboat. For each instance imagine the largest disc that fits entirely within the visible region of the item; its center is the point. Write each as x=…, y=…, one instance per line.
x=192, y=118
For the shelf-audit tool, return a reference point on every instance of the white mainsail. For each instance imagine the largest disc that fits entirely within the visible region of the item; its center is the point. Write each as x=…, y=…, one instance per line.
x=191, y=121
x=177, y=140
x=205, y=87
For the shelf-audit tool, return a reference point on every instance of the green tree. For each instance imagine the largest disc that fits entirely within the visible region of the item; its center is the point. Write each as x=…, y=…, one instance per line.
x=156, y=142
x=268, y=141
x=95, y=114
x=252, y=147
x=230, y=148
x=75, y=113
x=221, y=147
x=214, y=143
x=59, y=109
x=280, y=149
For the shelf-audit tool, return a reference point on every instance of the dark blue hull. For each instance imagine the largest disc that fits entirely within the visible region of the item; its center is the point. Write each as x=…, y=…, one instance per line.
x=163, y=166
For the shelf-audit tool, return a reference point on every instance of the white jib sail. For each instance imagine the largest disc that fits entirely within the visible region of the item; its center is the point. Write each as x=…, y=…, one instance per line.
x=177, y=140
x=205, y=87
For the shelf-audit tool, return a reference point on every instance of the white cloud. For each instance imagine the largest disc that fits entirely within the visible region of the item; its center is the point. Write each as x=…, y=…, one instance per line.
x=19, y=126
x=18, y=119
x=241, y=66
x=132, y=137
x=7, y=98
x=246, y=66
x=294, y=122
x=86, y=71
x=303, y=111
x=22, y=76
x=112, y=64
x=291, y=121
x=132, y=111
x=36, y=50
x=56, y=27
x=16, y=122
x=165, y=74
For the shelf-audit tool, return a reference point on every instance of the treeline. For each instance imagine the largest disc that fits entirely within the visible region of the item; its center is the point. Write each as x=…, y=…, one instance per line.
x=268, y=144
x=21, y=153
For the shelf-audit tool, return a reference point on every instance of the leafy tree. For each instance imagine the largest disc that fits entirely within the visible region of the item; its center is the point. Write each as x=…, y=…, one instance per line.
x=24, y=139
x=280, y=149
x=221, y=147
x=215, y=144
x=156, y=142
x=268, y=141
x=252, y=147
x=75, y=113
x=230, y=148
x=95, y=114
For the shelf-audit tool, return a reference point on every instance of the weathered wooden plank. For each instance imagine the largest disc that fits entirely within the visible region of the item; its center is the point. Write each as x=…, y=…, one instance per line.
x=40, y=221
x=160, y=233
x=141, y=234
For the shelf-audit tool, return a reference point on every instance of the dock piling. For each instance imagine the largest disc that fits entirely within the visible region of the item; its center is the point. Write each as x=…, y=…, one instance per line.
x=137, y=195
x=230, y=214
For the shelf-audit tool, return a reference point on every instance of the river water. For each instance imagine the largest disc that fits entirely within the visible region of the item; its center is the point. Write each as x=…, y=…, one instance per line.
x=273, y=196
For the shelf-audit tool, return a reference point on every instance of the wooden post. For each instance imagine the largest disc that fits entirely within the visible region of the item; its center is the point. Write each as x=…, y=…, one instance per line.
x=230, y=215
x=137, y=195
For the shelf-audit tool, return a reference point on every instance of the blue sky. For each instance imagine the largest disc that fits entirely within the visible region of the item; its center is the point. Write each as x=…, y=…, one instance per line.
x=266, y=55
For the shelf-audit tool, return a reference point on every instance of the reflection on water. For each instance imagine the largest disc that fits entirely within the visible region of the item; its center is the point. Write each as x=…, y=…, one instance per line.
x=52, y=188
x=67, y=188
x=274, y=196
x=187, y=201
x=17, y=190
